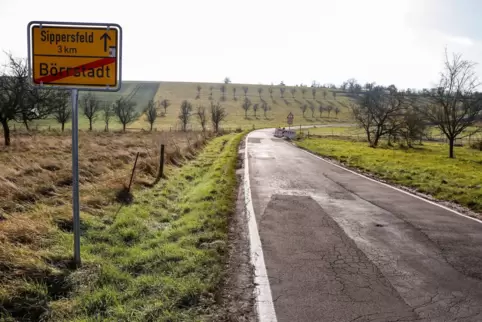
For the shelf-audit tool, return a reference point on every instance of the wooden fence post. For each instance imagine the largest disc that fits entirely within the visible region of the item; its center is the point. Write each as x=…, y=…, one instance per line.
x=132, y=175
x=160, y=174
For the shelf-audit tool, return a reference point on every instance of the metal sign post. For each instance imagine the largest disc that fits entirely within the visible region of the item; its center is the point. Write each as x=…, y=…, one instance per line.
x=289, y=119
x=72, y=55
x=75, y=175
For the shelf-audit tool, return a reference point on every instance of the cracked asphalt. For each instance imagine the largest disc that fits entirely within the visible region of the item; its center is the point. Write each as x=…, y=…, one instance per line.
x=339, y=247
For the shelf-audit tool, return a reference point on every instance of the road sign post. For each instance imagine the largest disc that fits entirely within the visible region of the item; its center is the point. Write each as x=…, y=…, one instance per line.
x=75, y=56
x=290, y=118
x=75, y=175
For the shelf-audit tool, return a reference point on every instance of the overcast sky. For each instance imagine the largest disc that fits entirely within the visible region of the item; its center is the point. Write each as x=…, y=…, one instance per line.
x=264, y=41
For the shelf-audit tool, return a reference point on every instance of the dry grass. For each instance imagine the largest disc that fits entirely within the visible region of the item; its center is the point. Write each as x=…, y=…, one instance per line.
x=35, y=202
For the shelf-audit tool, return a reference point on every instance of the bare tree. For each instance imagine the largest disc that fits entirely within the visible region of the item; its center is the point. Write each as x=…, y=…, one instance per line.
x=165, y=104
x=375, y=112
x=198, y=88
x=321, y=109
x=369, y=86
x=260, y=91
x=324, y=94
x=351, y=84
x=185, y=114
x=246, y=105
x=211, y=92
x=218, y=114
x=234, y=93
x=293, y=92
x=282, y=91
x=337, y=111
x=19, y=101
x=265, y=108
x=227, y=80
x=90, y=106
x=313, y=92
x=255, y=109
x=303, y=109
x=413, y=126
x=201, y=115
x=62, y=109
x=151, y=113
x=303, y=92
x=245, y=90
x=222, y=88
x=125, y=111
x=329, y=108
x=270, y=90
x=312, y=108
x=455, y=106
x=393, y=89
x=108, y=113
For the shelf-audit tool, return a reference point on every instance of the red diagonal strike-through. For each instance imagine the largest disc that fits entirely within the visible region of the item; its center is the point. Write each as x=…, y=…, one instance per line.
x=72, y=70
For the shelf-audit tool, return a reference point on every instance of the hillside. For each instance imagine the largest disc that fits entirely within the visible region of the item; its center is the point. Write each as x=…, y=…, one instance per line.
x=176, y=92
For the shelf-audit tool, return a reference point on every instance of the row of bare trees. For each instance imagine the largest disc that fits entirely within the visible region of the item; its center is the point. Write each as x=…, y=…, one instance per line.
x=320, y=108
x=454, y=107
x=217, y=114
x=293, y=90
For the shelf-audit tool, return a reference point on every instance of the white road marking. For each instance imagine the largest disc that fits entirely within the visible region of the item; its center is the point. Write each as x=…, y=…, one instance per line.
x=264, y=299
x=395, y=188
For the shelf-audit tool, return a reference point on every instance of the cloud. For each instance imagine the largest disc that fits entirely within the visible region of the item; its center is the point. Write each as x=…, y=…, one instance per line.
x=460, y=40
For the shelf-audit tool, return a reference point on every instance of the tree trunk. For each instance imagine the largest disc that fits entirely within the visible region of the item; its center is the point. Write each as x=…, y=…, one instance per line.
x=451, y=148
x=124, y=127
x=63, y=126
x=6, y=132
x=90, y=124
x=245, y=114
x=151, y=126
x=369, y=136
x=25, y=122
x=375, y=141
x=107, y=126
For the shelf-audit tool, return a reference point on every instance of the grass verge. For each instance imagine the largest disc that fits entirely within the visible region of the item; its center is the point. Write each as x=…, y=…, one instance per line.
x=426, y=168
x=158, y=259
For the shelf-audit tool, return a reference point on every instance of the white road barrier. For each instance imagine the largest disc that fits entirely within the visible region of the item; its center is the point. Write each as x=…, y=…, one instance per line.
x=279, y=133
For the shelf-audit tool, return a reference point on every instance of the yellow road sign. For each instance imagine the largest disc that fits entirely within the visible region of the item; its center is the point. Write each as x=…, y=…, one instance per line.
x=75, y=55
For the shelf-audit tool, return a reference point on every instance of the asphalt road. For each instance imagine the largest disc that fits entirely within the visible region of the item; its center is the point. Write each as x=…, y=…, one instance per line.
x=341, y=247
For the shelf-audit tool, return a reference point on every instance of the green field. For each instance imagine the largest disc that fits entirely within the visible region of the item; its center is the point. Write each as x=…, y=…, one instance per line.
x=350, y=130
x=425, y=168
x=176, y=92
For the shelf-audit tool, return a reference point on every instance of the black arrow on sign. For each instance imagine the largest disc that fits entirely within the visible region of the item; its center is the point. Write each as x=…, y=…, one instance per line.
x=105, y=36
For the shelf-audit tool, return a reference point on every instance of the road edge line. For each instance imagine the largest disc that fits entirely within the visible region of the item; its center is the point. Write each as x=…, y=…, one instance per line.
x=264, y=300
x=388, y=185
